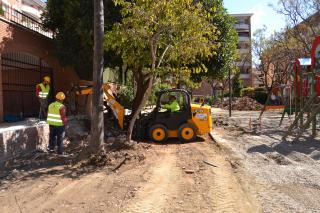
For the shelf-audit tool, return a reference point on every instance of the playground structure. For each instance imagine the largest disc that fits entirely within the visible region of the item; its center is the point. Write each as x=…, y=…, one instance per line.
x=306, y=89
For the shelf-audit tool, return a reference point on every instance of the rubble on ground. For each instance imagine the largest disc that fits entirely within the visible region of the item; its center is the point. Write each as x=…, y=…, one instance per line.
x=77, y=129
x=241, y=104
x=116, y=157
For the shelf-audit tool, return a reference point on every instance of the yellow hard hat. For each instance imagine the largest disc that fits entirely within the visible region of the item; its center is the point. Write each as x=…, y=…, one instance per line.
x=60, y=96
x=47, y=78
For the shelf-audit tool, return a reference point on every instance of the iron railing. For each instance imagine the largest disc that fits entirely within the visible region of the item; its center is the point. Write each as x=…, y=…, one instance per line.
x=14, y=16
x=20, y=74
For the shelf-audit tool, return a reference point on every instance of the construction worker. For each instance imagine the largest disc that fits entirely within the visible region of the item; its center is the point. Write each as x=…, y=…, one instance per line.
x=42, y=92
x=173, y=105
x=57, y=121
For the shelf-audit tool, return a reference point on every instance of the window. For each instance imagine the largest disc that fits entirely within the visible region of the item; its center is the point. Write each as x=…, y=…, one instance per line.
x=243, y=34
x=179, y=97
x=15, y=13
x=241, y=21
x=5, y=7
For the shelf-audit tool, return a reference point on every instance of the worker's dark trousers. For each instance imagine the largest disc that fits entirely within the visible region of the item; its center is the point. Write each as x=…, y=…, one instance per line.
x=43, y=108
x=56, y=138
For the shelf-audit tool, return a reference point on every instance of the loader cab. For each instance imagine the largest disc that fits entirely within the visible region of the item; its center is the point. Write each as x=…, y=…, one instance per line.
x=172, y=120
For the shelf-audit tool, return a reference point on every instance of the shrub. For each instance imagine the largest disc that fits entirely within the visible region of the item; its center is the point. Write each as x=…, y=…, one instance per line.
x=209, y=100
x=156, y=88
x=261, y=96
x=126, y=96
x=226, y=95
x=249, y=91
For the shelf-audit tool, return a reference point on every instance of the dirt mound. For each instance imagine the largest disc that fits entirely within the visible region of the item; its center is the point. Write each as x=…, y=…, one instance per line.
x=241, y=104
x=115, y=156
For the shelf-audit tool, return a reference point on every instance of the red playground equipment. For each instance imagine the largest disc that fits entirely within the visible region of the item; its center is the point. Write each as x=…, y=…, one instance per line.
x=306, y=92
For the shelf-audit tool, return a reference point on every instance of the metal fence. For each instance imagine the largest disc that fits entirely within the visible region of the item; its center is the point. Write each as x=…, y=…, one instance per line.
x=21, y=73
x=16, y=17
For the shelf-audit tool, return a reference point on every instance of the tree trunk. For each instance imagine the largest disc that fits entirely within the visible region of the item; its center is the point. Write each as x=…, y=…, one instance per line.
x=142, y=86
x=265, y=105
x=97, y=123
x=221, y=98
x=147, y=86
x=137, y=111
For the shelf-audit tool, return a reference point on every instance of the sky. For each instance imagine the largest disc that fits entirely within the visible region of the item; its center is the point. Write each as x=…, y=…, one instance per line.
x=263, y=14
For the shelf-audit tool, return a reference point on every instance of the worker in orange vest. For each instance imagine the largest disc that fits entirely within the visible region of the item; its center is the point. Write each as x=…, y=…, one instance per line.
x=42, y=92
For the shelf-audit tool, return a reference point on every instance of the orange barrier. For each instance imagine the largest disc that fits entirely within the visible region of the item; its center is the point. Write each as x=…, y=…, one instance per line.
x=275, y=107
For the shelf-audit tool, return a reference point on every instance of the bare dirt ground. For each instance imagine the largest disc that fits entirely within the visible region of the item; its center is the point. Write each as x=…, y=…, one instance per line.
x=168, y=178
x=284, y=177
x=245, y=170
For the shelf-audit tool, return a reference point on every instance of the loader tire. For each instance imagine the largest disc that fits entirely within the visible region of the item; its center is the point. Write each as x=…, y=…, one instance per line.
x=187, y=133
x=158, y=133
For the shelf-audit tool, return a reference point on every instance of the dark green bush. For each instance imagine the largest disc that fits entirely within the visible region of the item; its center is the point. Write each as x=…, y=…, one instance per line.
x=126, y=96
x=226, y=95
x=261, y=96
x=249, y=91
x=156, y=88
x=209, y=100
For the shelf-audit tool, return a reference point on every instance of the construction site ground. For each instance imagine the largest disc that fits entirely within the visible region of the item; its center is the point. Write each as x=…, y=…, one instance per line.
x=245, y=169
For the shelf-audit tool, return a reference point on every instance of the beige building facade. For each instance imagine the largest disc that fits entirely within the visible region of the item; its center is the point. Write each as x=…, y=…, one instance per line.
x=244, y=62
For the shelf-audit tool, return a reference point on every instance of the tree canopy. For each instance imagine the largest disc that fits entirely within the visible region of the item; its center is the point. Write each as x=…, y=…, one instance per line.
x=72, y=23
x=160, y=35
x=226, y=54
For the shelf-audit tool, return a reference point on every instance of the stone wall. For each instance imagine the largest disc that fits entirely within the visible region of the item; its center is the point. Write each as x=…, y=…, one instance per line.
x=22, y=138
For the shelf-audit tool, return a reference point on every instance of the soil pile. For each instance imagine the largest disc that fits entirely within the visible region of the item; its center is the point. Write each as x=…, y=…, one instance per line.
x=241, y=104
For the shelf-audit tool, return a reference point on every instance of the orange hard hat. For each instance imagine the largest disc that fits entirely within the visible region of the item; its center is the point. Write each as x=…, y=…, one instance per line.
x=60, y=96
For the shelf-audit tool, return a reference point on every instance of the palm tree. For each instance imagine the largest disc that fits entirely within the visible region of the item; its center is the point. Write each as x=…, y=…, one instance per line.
x=97, y=122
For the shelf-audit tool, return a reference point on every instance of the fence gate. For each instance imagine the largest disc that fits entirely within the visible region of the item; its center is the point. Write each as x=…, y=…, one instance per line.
x=21, y=72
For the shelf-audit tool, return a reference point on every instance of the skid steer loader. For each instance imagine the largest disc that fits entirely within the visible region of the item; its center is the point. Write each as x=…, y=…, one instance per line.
x=186, y=124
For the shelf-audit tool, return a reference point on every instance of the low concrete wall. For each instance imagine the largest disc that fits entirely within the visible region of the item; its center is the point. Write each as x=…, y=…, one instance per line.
x=22, y=138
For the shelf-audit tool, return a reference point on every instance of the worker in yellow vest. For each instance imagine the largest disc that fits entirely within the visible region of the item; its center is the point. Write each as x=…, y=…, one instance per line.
x=57, y=121
x=42, y=92
x=173, y=105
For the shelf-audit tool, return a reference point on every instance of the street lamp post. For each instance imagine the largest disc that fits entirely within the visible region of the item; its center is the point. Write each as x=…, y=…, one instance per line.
x=230, y=93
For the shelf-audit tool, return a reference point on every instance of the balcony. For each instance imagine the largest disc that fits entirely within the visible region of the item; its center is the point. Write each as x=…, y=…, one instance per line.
x=243, y=51
x=242, y=26
x=244, y=76
x=15, y=17
x=244, y=39
x=33, y=12
x=242, y=64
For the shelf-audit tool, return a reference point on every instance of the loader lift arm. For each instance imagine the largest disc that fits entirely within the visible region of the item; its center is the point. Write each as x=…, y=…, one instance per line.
x=117, y=109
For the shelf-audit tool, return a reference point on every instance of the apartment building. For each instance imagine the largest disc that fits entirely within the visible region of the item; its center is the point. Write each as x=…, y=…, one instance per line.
x=31, y=8
x=244, y=63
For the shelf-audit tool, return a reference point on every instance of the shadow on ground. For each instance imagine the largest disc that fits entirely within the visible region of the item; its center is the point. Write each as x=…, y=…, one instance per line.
x=306, y=146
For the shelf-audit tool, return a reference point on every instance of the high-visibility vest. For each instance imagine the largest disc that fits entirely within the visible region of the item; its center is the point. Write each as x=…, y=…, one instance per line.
x=173, y=107
x=54, y=117
x=43, y=94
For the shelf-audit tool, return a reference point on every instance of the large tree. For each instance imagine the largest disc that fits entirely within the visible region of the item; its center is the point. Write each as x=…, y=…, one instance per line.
x=302, y=20
x=221, y=63
x=156, y=33
x=273, y=56
x=226, y=53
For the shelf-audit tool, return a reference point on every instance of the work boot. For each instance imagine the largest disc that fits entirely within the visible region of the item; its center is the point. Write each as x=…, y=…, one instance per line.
x=50, y=150
x=63, y=154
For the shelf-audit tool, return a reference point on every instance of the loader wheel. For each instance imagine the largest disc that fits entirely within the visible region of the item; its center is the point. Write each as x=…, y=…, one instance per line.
x=186, y=133
x=158, y=133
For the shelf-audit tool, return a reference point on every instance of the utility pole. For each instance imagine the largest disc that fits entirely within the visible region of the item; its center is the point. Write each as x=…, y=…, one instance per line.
x=97, y=120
